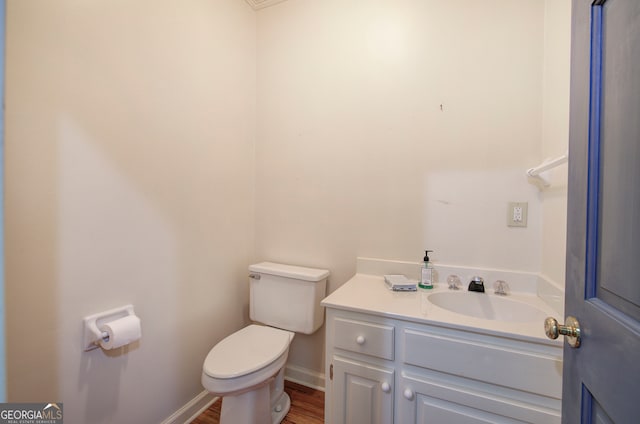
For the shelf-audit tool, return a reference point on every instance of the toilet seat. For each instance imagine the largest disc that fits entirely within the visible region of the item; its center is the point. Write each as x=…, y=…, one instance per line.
x=245, y=351
x=247, y=358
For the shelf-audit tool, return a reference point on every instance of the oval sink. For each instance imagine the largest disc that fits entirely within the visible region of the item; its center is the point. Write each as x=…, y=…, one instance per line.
x=486, y=306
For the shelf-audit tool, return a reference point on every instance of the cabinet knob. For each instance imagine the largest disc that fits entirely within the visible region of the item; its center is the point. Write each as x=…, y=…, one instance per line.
x=385, y=387
x=408, y=393
x=360, y=340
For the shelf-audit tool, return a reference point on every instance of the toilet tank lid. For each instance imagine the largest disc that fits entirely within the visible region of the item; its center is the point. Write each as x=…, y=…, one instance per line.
x=290, y=271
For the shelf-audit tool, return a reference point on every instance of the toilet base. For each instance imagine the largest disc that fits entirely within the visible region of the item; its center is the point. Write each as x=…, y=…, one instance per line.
x=280, y=409
x=266, y=404
x=251, y=407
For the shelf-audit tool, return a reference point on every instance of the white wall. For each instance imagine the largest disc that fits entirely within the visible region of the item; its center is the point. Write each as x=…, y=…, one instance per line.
x=555, y=135
x=130, y=149
x=3, y=360
x=355, y=155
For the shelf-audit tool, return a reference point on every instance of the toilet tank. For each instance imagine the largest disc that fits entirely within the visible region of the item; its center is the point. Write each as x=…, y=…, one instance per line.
x=287, y=296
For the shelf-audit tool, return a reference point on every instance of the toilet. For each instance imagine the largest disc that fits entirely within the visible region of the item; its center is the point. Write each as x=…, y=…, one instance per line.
x=247, y=368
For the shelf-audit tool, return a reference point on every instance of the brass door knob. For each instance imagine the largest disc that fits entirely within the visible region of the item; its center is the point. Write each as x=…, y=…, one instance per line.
x=571, y=330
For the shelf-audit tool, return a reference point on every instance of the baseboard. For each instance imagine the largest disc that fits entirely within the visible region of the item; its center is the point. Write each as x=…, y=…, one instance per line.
x=305, y=376
x=192, y=409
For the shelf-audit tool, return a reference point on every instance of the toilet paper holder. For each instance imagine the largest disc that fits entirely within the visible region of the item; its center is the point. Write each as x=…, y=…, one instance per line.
x=92, y=334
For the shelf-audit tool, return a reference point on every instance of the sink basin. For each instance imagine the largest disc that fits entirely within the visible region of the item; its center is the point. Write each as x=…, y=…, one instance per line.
x=487, y=306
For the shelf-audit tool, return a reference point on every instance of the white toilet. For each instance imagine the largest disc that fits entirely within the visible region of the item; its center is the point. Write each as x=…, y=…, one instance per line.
x=247, y=367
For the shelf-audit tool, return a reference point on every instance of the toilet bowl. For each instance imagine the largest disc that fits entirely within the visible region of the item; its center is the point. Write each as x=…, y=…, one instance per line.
x=245, y=359
x=247, y=368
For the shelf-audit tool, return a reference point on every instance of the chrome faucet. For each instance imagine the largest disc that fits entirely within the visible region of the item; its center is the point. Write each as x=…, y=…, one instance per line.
x=501, y=288
x=454, y=282
x=476, y=284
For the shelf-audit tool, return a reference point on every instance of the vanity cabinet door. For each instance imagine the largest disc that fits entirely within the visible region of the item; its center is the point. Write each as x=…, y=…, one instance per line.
x=425, y=400
x=362, y=393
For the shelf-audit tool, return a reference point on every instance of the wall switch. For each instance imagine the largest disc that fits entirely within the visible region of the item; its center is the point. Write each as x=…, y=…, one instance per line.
x=517, y=214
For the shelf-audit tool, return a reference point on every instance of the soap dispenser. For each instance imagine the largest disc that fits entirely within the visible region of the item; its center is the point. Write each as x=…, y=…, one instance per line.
x=426, y=273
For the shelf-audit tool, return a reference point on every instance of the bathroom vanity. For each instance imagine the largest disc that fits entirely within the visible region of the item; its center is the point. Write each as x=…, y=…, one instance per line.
x=396, y=357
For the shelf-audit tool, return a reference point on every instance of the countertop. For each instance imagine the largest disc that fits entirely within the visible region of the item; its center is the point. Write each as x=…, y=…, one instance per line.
x=369, y=294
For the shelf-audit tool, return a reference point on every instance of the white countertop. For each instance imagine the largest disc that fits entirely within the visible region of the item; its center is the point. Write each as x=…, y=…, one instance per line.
x=369, y=294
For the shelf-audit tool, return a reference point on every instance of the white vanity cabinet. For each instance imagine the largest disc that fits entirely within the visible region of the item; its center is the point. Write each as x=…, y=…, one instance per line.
x=392, y=370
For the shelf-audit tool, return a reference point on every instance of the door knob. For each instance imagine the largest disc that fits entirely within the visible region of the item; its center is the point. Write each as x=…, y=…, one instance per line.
x=571, y=330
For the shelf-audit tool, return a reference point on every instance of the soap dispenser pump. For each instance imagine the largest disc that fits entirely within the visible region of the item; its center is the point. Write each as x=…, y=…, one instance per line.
x=426, y=274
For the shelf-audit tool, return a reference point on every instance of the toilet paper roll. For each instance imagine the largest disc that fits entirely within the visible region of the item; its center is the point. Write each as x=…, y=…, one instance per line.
x=121, y=332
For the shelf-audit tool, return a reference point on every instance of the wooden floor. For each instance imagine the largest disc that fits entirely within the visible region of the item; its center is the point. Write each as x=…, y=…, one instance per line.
x=307, y=407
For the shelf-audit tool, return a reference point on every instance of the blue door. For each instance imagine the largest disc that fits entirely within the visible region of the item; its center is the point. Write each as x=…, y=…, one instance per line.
x=602, y=376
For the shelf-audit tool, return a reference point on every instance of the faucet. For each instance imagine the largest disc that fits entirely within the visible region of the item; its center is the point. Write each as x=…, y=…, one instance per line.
x=476, y=284
x=500, y=288
x=454, y=282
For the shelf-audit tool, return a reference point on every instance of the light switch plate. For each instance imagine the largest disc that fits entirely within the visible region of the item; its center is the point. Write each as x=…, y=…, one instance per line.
x=517, y=213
